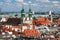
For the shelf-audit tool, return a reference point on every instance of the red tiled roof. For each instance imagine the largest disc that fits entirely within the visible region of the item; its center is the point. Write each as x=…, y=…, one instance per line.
x=42, y=21
x=58, y=20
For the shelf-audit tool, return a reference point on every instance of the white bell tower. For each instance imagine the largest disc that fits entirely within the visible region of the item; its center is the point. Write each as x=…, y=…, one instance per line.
x=50, y=13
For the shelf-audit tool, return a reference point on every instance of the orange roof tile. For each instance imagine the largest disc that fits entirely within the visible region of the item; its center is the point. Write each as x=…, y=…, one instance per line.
x=31, y=32
x=46, y=22
x=58, y=20
x=43, y=19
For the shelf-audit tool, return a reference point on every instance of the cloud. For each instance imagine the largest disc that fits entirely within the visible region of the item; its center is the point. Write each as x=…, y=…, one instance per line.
x=18, y=4
x=7, y=1
x=12, y=7
x=43, y=0
x=1, y=3
x=32, y=4
x=29, y=2
x=25, y=4
x=35, y=4
x=56, y=3
x=20, y=1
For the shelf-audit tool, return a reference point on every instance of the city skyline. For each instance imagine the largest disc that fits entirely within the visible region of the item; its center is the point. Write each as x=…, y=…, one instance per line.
x=36, y=5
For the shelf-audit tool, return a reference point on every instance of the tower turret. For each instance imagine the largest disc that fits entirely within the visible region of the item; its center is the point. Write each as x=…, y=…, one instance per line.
x=22, y=11
x=50, y=13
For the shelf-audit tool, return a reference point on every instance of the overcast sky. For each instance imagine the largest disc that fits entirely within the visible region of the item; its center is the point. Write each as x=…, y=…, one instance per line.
x=36, y=5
